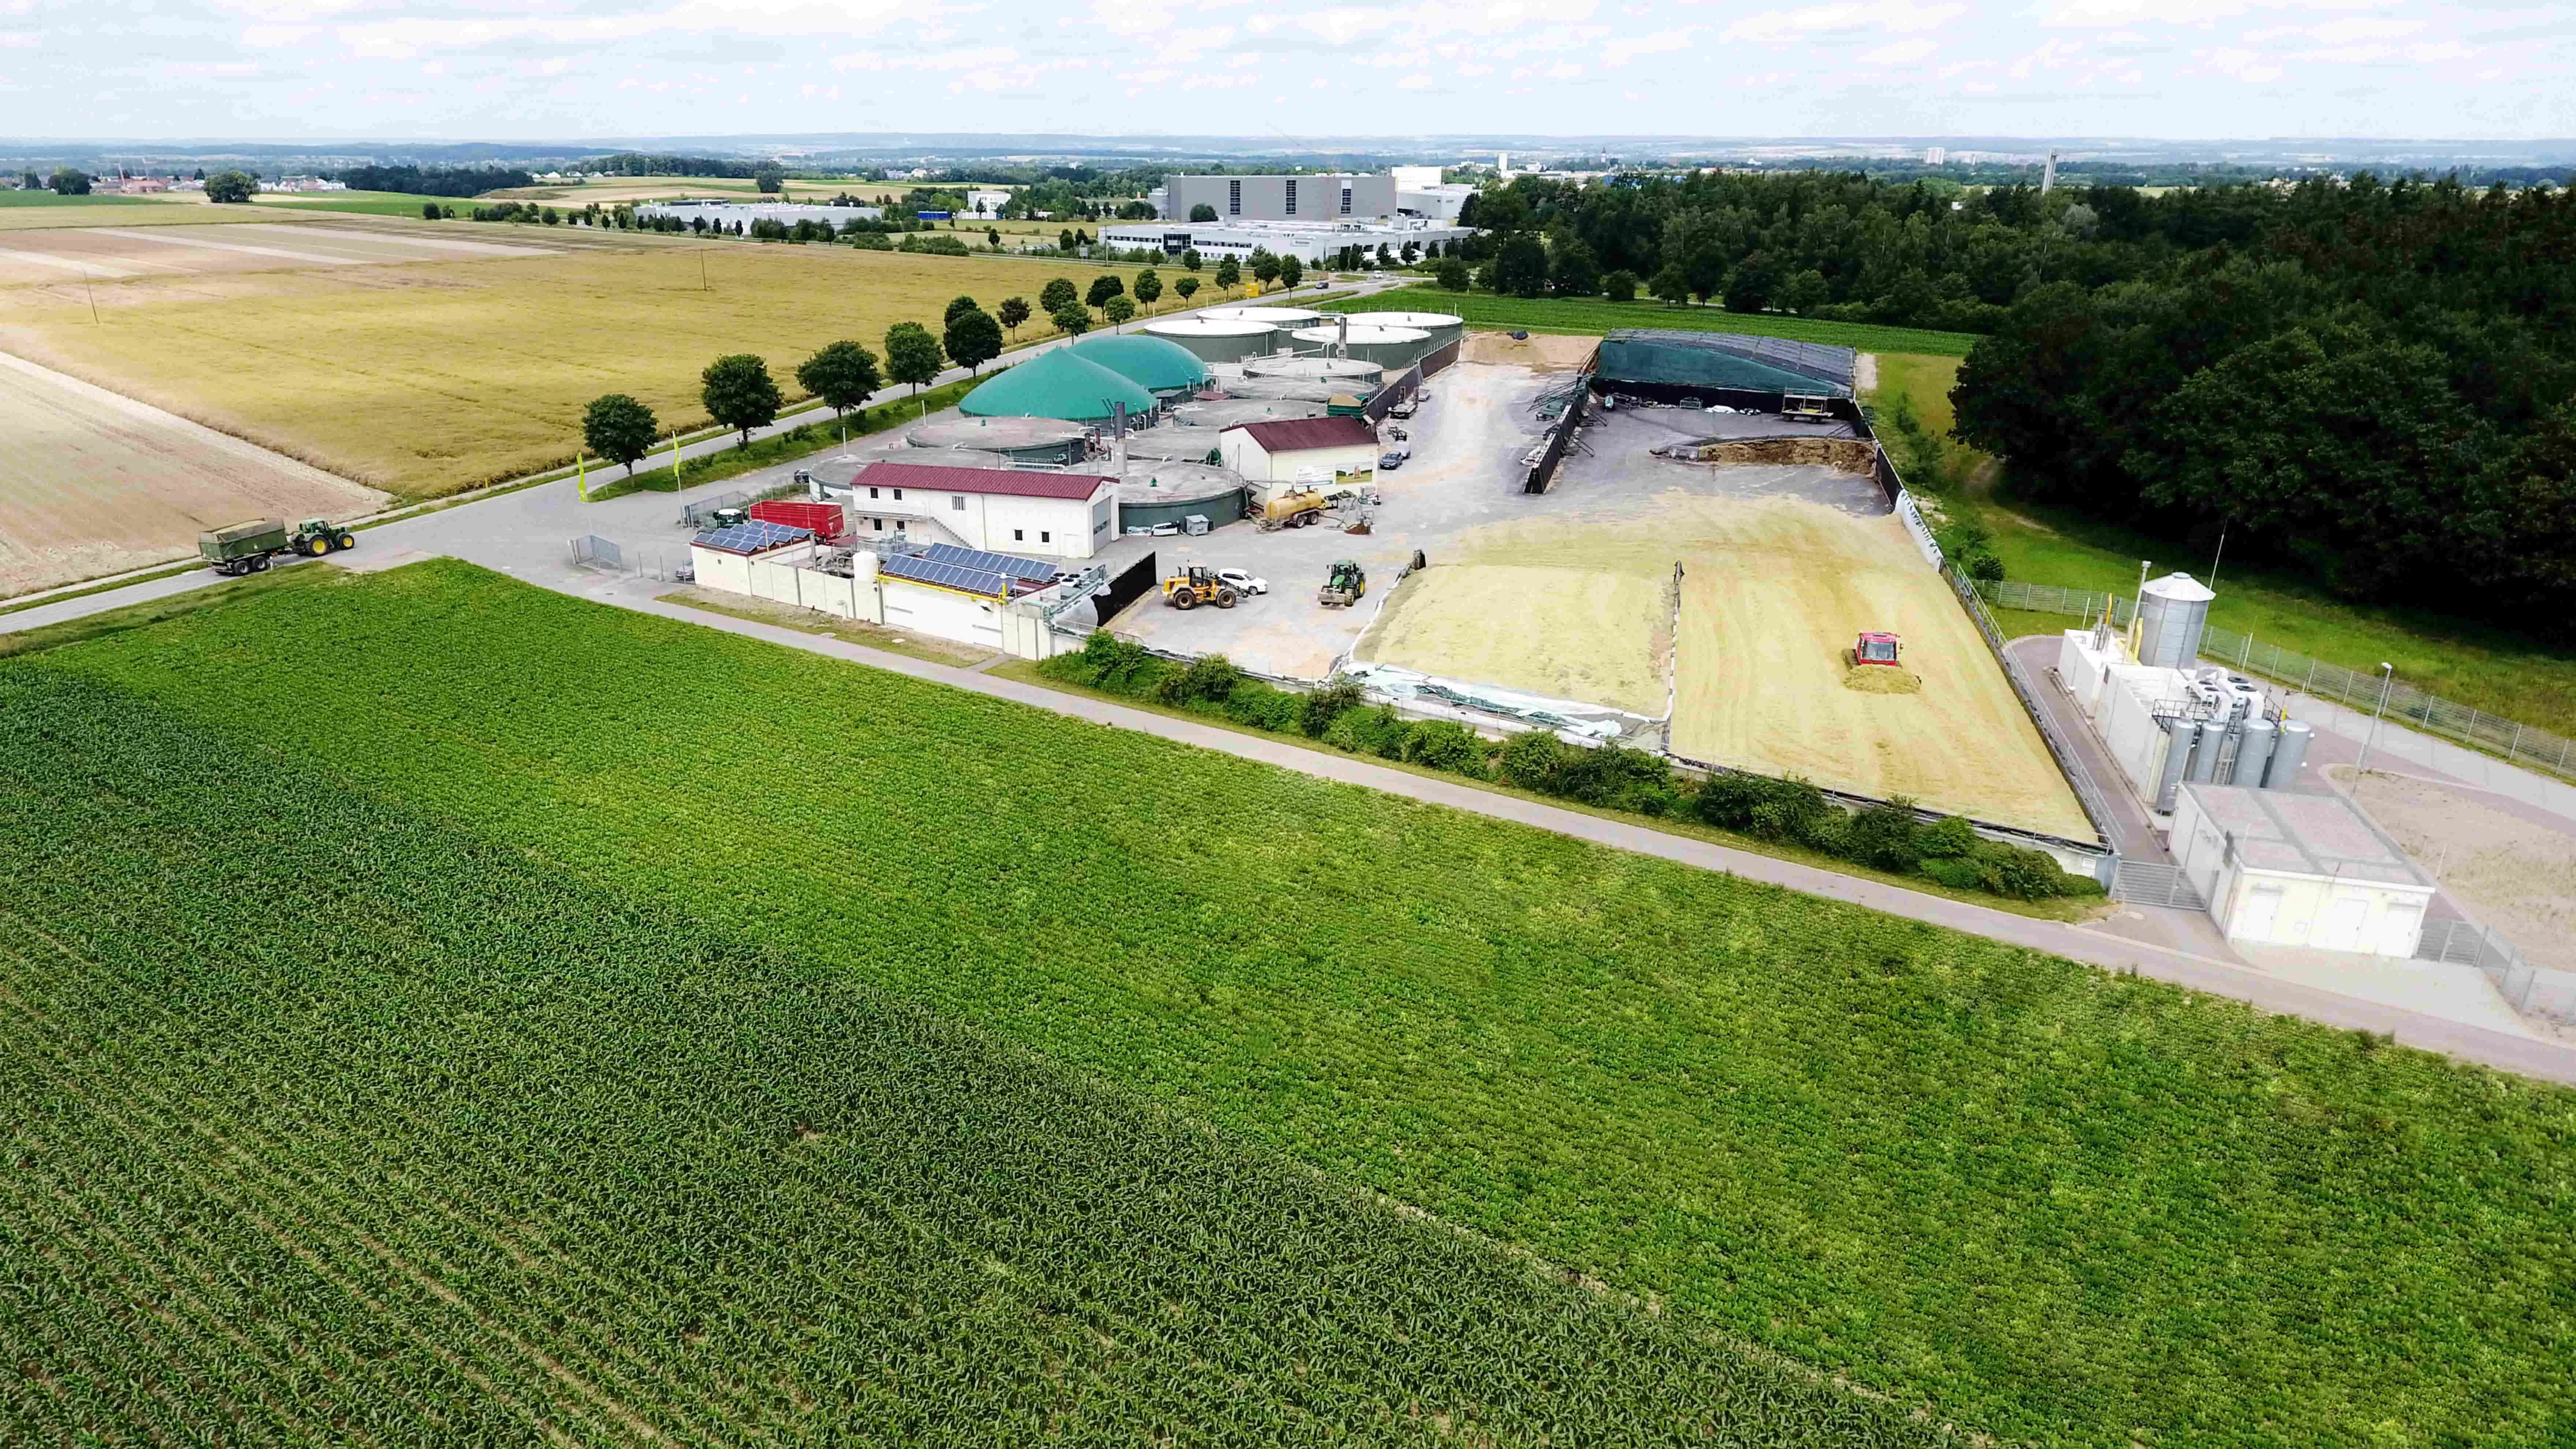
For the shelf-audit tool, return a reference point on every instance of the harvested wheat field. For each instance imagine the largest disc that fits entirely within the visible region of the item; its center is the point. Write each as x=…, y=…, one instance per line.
x=1772, y=594
x=99, y=484
x=430, y=376
x=1568, y=633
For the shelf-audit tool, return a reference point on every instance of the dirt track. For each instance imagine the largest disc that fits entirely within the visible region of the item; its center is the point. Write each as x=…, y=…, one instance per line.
x=99, y=484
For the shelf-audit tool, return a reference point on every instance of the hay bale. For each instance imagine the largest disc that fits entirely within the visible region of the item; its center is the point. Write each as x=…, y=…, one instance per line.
x=1882, y=679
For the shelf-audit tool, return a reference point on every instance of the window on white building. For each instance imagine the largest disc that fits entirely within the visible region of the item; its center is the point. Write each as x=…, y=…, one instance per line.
x=956, y=502
x=1234, y=198
x=1018, y=536
x=1046, y=536
x=872, y=493
x=1292, y=196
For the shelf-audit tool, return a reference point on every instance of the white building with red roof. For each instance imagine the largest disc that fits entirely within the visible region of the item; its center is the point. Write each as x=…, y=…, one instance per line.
x=1299, y=450
x=1001, y=510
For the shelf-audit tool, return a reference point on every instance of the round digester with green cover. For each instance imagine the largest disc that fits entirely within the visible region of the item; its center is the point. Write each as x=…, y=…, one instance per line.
x=1059, y=385
x=1159, y=366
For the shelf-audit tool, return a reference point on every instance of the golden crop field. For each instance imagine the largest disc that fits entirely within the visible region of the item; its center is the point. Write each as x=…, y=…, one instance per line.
x=191, y=210
x=430, y=377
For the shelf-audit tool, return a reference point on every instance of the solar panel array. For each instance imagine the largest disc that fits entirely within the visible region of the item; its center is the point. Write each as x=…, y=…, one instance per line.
x=753, y=537
x=953, y=576
x=991, y=563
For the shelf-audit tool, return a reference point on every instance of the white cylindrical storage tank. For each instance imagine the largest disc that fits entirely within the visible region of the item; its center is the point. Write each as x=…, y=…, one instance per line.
x=2172, y=611
x=2253, y=753
x=1282, y=320
x=2289, y=752
x=1214, y=340
x=1394, y=347
x=1315, y=369
x=1443, y=327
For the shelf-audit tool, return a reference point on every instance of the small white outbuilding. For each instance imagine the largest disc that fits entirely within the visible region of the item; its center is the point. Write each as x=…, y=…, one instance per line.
x=2284, y=869
x=1294, y=449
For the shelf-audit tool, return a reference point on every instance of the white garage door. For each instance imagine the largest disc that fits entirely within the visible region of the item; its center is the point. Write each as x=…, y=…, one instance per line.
x=2339, y=928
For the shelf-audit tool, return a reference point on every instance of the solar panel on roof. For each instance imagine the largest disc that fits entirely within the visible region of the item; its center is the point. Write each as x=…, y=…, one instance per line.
x=753, y=537
x=991, y=563
x=952, y=576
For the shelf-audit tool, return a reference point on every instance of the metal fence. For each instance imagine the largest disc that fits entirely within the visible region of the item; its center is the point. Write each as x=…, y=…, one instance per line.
x=695, y=515
x=2534, y=990
x=1558, y=439
x=592, y=551
x=2096, y=807
x=2148, y=883
x=2518, y=744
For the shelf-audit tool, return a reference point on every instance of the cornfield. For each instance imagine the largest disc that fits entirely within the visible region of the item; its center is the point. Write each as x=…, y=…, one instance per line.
x=703, y=885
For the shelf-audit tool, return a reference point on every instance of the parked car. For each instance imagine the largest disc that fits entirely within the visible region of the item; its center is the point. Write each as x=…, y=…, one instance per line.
x=1391, y=461
x=1242, y=581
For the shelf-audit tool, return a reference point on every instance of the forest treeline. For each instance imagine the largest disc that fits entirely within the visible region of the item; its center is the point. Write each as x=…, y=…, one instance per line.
x=2373, y=382
x=435, y=180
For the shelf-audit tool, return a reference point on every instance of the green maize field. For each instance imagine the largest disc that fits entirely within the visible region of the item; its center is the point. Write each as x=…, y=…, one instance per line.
x=2023, y=1196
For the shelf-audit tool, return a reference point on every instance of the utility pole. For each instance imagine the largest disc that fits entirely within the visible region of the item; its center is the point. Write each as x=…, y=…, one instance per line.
x=2215, y=557
x=2387, y=677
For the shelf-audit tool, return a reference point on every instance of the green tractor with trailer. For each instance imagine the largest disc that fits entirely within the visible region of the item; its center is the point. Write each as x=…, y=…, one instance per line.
x=246, y=548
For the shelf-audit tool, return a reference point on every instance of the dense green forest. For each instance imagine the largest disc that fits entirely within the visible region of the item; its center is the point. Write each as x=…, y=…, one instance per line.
x=2375, y=382
x=436, y=181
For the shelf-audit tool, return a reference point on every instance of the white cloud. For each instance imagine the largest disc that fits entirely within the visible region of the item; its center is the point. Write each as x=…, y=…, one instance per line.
x=1903, y=52
x=1896, y=17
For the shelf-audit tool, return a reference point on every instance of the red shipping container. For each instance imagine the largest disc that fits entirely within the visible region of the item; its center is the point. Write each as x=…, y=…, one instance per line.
x=826, y=519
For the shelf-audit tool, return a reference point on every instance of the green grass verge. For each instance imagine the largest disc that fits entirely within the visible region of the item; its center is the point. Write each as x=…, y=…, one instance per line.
x=2512, y=676
x=797, y=442
x=379, y=1120
x=48, y=198
x=2046, y=1201
x=1486, y=312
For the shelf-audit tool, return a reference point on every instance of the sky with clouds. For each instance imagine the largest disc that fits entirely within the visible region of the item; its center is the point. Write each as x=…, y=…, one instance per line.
x=495, y=69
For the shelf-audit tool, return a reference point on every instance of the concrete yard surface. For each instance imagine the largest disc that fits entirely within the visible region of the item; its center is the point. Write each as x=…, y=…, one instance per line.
x=99, y=484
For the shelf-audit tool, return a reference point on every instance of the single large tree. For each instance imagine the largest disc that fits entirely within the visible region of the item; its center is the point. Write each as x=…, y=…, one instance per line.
x=843, y=374
x=1057, y=295
x=912, y=355
x=1520, y=267
x=231, y=186
x=1291, y=271
x=973, y=338
x=68, y=182
x=1118, y=310
x=1104, y=287
x=959, y=307
x=1202, y=212
x=739, y=393
x=1072, y=321
x=1452, y=274
x=1188, y=287
x=1265, y=267
x=770, y=177
x=1148, y=287
x=1013, y=312
x=1229, y=274
x=619, y=429
x=1191, y=261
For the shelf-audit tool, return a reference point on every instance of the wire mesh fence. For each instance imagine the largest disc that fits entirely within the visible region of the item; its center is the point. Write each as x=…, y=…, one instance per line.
x=2369, y=692
x=2534, y=990
x=592, y=551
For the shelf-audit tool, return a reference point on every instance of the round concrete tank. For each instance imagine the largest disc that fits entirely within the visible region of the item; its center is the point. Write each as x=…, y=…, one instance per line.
x=1396, y=347
x=2288, y=754
x=1282, y=320
x=1201, y=416
x=2172, y=611
x=1344, y=370
x=1022, y=440
x=1156, y=492
x=1176, y=445
x=1301, y=389
x=1443, y=327
x=1216, y=340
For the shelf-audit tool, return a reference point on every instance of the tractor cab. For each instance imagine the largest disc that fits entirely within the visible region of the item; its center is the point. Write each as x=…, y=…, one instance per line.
x=1875, y=648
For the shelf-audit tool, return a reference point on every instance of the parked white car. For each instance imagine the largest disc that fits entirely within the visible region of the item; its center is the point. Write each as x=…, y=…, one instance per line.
x=1242, y=582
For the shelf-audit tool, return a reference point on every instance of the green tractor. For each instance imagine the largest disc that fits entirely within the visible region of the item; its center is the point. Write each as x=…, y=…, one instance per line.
x=1343, y=585
x=246, y=548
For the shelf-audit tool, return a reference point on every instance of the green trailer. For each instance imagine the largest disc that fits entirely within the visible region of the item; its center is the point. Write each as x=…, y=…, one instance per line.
x=246, y=548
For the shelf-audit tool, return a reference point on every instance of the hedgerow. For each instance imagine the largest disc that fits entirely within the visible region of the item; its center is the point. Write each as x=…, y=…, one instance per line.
x=2043, y=1201
x=332, y=1116
x=1885, y=837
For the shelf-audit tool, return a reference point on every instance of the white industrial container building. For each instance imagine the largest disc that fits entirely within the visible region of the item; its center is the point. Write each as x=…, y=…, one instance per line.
x=2298, y=870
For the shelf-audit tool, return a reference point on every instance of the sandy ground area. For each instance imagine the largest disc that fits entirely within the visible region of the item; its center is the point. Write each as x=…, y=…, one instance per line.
x=1541, y=351
x=1865, y=372
x=2514, y=873
x=98, y=484
x=1568, y=633
x=1773, y=593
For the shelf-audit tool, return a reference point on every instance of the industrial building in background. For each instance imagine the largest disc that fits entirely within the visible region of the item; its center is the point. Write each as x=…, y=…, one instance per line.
x=1316, y=218
x=1332, y=197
